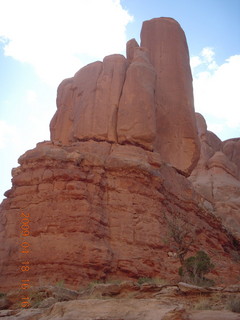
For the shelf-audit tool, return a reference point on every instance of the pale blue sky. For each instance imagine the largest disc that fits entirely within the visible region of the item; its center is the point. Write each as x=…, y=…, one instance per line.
x=45, y=41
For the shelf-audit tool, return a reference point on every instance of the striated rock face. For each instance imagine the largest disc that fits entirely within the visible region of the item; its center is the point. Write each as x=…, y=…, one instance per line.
x=144, y=100
x=123, y=140
x=217, y=175
x=126, y=300
x=96, y=211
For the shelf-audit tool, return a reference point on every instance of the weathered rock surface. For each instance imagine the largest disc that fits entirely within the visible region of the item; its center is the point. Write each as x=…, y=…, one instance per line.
x=96, y=210
x=145, y=309
x=214, y=315
x=231, y=148
x=129, y=309
x=131, y=45
x=158, y=303
x=216, y=176
x=88, y=103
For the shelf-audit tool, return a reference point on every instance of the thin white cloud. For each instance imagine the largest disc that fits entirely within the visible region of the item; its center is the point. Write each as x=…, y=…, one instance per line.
x=213, y=65
x=206, y=57
x=216, y=90
x=31, y=97
x=55, y=35
x=8, y=134
x=195, y=62
x=208, y=54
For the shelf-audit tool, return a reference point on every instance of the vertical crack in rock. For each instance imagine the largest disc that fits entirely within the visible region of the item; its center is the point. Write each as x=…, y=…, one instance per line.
x=85, y=81
x=136, y=115
x=108, y=94
x=62, y=122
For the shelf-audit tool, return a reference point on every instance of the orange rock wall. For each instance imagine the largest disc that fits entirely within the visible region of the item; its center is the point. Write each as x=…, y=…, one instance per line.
x=96, y=212
x=217, y=175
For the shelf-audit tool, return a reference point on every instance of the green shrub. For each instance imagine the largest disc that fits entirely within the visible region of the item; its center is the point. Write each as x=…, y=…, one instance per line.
x=233, y=304
x=60, y=284
x=2, y=294
x=203, y=304
x=194, y=269
x=157, y=281
x=94, y=283
x=37, y=298
x=145, y=280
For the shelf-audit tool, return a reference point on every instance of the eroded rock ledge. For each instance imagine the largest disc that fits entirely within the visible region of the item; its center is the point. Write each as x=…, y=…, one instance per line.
x=125, y=300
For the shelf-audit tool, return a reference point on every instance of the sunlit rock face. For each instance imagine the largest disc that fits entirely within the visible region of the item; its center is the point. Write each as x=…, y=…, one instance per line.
x=145, y=99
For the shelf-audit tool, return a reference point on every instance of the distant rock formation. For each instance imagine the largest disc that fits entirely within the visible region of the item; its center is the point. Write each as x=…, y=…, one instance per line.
x=123, y=140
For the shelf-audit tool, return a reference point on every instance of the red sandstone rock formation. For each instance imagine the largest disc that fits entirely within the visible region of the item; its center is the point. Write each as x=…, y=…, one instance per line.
x=144, y=100
x=96, y=211
x=98, y=192
x=217, y=175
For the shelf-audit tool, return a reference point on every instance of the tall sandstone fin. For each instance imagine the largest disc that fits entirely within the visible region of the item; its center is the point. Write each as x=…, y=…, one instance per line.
x=176, y=138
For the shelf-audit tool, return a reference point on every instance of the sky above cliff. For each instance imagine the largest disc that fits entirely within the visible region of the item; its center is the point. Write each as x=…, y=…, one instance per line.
x=44, y=41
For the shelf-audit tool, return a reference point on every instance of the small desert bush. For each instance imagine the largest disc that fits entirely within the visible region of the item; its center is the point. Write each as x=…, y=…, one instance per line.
x=2, y=294
x=116, y=281
x=94, y=283
x=233, y=304
x=37, y=298
x=160, y=281
x=145, y=280
x=157, y=281
x=203, y=304
x=60, y=284
x=195, y=268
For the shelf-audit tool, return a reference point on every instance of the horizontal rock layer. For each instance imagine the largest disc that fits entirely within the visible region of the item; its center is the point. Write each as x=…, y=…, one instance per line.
x=97, y=210
x=125, y=300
